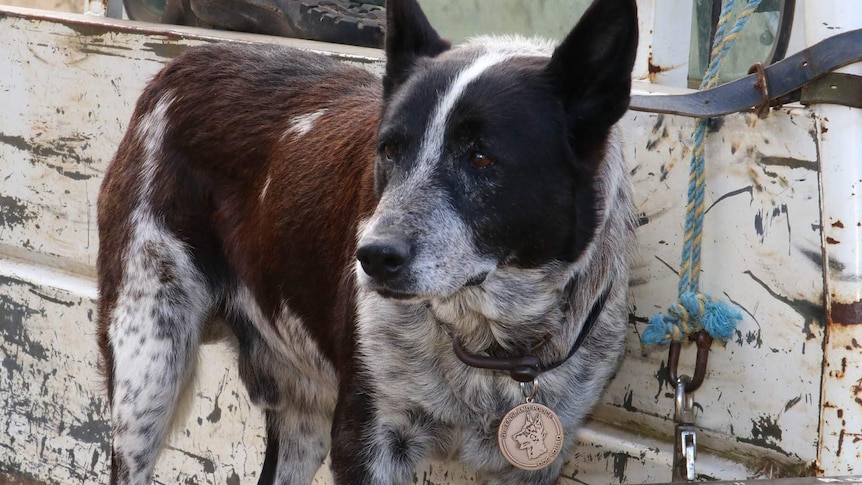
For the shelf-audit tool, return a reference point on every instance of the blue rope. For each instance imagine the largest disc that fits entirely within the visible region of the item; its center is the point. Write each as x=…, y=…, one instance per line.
x=696, y=311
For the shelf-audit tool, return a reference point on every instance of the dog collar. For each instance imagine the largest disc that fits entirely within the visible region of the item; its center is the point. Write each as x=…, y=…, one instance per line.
x=526, y=368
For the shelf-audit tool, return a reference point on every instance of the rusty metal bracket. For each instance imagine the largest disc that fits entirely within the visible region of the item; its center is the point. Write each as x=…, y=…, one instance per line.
x=703, y=341
x=762, y=108
x=834, y=88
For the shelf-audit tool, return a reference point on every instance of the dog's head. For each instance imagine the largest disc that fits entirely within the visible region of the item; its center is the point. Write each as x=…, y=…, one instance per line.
x=487, y=153
x=532, y=436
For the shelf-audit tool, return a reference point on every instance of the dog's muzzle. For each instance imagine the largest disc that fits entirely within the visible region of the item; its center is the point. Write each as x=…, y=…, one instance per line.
x=388, y=260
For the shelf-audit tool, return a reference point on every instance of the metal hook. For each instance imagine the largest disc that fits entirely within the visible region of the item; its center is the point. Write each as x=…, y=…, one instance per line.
x=684, y=402
x=703, y=342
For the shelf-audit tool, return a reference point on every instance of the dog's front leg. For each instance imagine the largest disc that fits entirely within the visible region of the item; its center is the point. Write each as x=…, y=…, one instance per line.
x=374, y=447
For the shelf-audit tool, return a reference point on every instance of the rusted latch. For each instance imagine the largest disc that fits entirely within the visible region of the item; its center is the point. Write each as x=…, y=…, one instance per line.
x=703, y=341
x=685, y=434
x=762, y=108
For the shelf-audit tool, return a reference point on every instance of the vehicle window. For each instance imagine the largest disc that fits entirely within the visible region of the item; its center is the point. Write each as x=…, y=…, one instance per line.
x=764, y=38
x=459, y=20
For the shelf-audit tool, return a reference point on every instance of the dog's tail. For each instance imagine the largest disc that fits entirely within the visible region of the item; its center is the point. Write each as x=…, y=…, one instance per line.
x=153, y=299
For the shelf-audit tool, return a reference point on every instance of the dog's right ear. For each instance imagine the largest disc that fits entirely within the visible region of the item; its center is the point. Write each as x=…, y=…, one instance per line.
x=592, y=67
x=409, y=36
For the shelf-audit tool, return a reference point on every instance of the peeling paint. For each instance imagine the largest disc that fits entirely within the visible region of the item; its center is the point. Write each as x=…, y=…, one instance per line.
x=208, y=465
x=13, y=212
x=787, y=162
x=627, y=402
x=165, y=49
x=846, y=313
x=621, y=460
x=12, y=318
x=766, y=428
x=91, y=432
x=792, y=402
x=811, y=311
x=215, y=415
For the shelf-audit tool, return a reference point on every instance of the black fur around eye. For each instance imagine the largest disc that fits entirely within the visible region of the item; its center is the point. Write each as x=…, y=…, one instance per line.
x=480, y=160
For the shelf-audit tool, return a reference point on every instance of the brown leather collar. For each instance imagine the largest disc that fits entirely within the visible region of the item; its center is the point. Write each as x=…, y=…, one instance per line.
x=525, y=368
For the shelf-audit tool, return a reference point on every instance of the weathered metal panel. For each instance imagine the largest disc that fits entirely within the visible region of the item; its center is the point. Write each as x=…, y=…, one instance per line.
x=839, y=135
x=760, y=401
x=52, y=415
x=65, y=106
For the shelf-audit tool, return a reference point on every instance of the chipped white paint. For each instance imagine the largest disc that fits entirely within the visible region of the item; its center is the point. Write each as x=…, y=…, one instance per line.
x=70, y=89
x=664, y=46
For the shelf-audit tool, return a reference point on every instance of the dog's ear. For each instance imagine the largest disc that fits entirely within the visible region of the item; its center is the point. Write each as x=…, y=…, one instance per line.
x=592, y=67
x=538, y=423
x=409, y=36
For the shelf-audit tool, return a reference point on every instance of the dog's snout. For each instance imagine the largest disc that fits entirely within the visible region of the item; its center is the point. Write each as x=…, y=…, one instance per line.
x=384, y=259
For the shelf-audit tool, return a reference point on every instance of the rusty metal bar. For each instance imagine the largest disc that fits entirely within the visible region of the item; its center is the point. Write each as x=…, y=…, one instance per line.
x=703, y=341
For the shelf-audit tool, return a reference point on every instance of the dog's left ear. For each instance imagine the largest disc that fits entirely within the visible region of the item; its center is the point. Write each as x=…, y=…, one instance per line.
x=409, y=36
x=592, y=68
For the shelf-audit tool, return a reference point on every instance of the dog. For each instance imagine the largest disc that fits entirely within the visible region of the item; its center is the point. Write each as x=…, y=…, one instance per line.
x=532, y=437
x=353, y=232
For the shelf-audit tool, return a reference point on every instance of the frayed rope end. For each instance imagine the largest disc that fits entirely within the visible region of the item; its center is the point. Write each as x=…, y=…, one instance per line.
x=695, y=311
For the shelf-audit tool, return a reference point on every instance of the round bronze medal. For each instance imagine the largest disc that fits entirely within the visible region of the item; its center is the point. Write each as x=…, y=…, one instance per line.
x=530, y=436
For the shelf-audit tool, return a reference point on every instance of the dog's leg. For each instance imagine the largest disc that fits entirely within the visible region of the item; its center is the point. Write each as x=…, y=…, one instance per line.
x=291, y=382
x=375, y=448
x=270, y=458
x=153, y=334
x=297, y=443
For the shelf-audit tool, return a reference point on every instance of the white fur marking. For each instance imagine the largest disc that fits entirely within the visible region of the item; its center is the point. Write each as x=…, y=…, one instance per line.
x=265, y=188
x=432, y=143
x=514, y=44
x=302, y=124
x=152, y=132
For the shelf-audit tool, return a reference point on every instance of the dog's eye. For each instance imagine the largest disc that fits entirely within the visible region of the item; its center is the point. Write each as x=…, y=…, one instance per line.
x=480, y=160
x=388, y=151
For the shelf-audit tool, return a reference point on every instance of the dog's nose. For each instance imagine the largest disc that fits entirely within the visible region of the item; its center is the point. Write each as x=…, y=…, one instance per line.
x=383, y=259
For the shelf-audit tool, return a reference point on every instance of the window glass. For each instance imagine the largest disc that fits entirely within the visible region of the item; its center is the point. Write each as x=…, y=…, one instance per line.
x=758, y=41
x=457, y=20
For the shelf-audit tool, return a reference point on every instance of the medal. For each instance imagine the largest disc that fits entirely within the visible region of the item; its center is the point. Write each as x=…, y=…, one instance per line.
x=530, y=436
